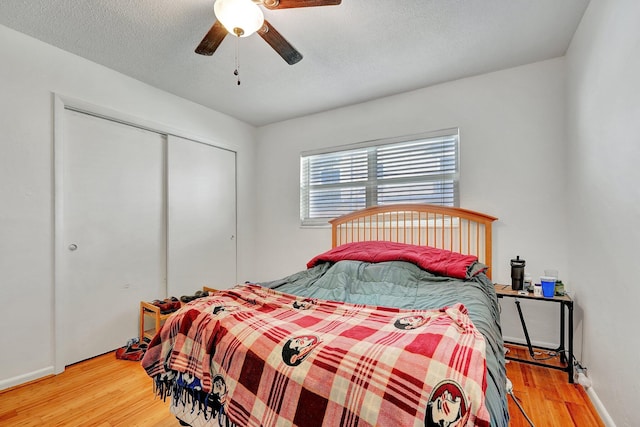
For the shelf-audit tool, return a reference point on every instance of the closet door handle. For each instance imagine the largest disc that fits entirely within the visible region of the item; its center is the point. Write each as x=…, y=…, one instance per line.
x=73, y=247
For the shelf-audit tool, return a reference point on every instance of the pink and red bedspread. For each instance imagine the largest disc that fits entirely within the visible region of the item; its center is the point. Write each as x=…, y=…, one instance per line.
x=252, y=356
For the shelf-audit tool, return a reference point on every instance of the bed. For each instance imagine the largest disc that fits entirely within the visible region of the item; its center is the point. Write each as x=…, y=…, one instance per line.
x=396, y=325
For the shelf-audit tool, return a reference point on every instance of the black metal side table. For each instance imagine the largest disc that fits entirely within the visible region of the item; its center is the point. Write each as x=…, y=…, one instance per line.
x=566, y=311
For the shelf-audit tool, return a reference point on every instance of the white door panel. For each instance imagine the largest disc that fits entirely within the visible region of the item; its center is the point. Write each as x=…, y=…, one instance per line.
x=113, y=212
x=201, y=218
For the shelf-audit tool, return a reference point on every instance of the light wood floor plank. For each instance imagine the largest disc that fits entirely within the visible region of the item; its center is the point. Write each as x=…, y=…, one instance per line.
x=102, y=391
x=547, y=397
x=107, y=392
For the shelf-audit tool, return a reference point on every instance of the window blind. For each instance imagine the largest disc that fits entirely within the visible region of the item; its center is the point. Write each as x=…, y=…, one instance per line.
x=417, y=169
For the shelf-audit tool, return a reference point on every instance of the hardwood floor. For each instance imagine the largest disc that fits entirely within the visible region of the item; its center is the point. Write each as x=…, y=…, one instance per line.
x=99, y=392
x=547, y=397
x=106, y=392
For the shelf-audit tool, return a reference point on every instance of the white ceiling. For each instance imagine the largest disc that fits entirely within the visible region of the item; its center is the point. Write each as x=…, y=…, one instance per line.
x=354, y=52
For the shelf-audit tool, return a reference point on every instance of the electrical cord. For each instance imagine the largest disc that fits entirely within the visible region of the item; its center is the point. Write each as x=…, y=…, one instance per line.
x=550, y=355
x=509, y=387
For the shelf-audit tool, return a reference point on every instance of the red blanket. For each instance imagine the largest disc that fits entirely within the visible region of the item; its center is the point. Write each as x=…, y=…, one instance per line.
x=264, y=358
x=435, y=260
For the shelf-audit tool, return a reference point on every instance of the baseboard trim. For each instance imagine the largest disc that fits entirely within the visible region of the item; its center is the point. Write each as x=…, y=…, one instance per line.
x=522, y=342
x=25, y=378
x=602, y=411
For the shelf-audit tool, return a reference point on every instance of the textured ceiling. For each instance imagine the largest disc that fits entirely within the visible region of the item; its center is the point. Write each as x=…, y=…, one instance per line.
x=358, y=51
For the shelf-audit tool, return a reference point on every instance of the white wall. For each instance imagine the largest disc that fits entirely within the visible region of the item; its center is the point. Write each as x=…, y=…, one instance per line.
x=569, y=205
x=30, y=72
x=512, y=166
x=603, y=121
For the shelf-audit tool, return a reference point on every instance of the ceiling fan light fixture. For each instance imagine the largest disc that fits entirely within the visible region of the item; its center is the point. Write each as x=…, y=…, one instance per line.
x=240, y=17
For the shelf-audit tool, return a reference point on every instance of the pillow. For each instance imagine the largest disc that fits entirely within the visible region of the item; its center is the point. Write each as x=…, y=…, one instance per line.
x=439, y=261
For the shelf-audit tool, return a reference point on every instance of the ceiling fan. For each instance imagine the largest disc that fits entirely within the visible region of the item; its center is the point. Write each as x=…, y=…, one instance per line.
x=242, y=18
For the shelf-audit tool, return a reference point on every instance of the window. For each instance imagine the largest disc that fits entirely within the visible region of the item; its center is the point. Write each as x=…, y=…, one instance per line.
x=416, y=169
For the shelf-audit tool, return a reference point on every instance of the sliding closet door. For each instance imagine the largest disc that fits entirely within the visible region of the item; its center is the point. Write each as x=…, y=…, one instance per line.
x=201, y=216
x=112, y=253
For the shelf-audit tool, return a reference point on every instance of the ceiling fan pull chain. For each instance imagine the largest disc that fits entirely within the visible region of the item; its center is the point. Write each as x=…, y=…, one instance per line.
x=237, y=70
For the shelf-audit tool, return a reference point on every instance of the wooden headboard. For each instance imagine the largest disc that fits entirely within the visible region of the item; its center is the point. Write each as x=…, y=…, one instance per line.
x=454, y=229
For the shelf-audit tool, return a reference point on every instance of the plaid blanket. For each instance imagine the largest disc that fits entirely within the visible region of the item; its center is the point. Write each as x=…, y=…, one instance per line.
x=252, y=356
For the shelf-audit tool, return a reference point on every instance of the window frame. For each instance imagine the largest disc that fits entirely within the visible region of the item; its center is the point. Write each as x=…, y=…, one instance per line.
x=371, y=187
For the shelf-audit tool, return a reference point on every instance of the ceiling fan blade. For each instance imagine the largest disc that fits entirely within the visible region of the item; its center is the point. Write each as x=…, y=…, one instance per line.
x=279, y=44
x=289, y=4
x=212, y=40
